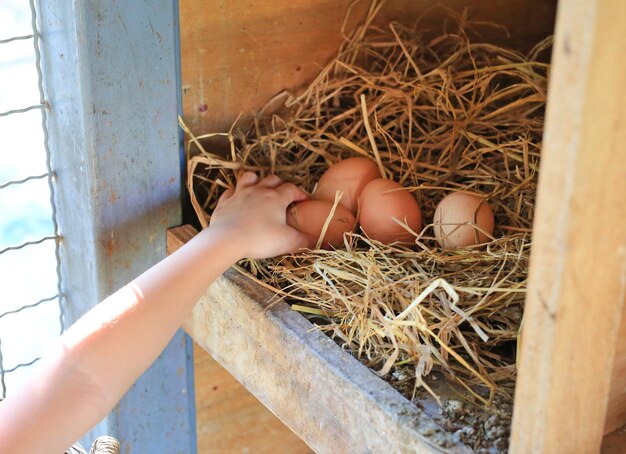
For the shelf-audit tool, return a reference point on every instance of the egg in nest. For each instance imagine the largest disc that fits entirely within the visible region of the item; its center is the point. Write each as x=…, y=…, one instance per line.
x=463, y=219
x=349, y=176
x=383, y=200
x=310, y=216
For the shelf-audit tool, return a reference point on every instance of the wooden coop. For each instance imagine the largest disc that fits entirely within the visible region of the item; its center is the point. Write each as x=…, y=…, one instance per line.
x=571, y=388
x=116, y=74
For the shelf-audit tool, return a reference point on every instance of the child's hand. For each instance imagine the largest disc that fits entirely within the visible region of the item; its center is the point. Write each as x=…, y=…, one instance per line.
x=254, y=216
x=58, y=405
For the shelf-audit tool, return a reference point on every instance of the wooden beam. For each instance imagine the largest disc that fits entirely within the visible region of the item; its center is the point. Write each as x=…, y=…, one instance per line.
x=577, y=277
x=230, y=419
x=178, y=236
x=614, y=442
x=333, y=402
x=616, y=413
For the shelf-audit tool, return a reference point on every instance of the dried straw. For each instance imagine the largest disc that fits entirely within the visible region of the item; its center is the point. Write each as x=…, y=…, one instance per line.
x=436, y=115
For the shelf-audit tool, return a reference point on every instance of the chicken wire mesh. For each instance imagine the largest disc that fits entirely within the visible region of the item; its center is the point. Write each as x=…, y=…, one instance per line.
x=31, y=313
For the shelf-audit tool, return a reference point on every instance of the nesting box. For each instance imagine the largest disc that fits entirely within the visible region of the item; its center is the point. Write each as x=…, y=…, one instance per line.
x=571, y=388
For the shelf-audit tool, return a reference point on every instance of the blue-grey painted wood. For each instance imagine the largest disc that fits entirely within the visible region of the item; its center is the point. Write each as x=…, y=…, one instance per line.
x=111, y=75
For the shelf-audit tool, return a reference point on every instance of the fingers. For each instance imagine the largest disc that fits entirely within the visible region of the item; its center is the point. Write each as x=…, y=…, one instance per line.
x=291, y=193
x=298, y=240
x=247, y=179
x=270, y=182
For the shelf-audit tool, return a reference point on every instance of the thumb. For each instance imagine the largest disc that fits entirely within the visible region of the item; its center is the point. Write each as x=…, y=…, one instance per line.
x=295, y=240
x=228, y=193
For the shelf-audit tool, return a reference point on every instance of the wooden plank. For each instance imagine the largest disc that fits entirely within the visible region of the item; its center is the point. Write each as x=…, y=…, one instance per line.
x=178, y=236
x=615, y=442
x=328, y=398
x=236, y=55
x=616, y=413
x=577, y=270
x=228, y=417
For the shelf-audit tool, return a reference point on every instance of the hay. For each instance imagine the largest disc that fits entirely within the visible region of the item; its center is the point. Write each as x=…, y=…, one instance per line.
x=437, y=115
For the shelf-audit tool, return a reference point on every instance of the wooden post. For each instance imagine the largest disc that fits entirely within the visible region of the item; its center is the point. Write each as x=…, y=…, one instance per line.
x=577, y=278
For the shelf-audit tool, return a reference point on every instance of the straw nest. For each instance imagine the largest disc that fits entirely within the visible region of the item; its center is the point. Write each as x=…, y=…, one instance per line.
x=441, y=114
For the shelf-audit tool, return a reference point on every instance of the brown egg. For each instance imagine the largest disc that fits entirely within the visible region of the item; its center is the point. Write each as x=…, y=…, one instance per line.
x=348, y=176
x=382, y=200
x=453, y=216
x=309, y=217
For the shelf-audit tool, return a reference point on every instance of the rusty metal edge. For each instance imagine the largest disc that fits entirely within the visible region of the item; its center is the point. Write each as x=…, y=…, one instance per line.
x=112, y=88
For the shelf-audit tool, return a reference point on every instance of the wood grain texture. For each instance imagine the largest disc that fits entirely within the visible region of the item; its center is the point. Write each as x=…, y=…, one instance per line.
x=228, y=417
x=323, y=394
x=614, y=442
x=577, y=278
x=238, y=54
x=178, y=236
x=616, y=413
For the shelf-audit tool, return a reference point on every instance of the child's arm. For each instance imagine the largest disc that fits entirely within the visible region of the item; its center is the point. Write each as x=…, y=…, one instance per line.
x=100, y=356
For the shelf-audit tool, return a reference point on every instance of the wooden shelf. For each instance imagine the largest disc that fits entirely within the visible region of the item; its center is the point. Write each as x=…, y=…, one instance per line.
x=328, y=398
x=230, y=419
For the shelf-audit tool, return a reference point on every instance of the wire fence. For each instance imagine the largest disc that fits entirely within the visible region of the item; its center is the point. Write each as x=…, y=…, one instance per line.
x=22, y=313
